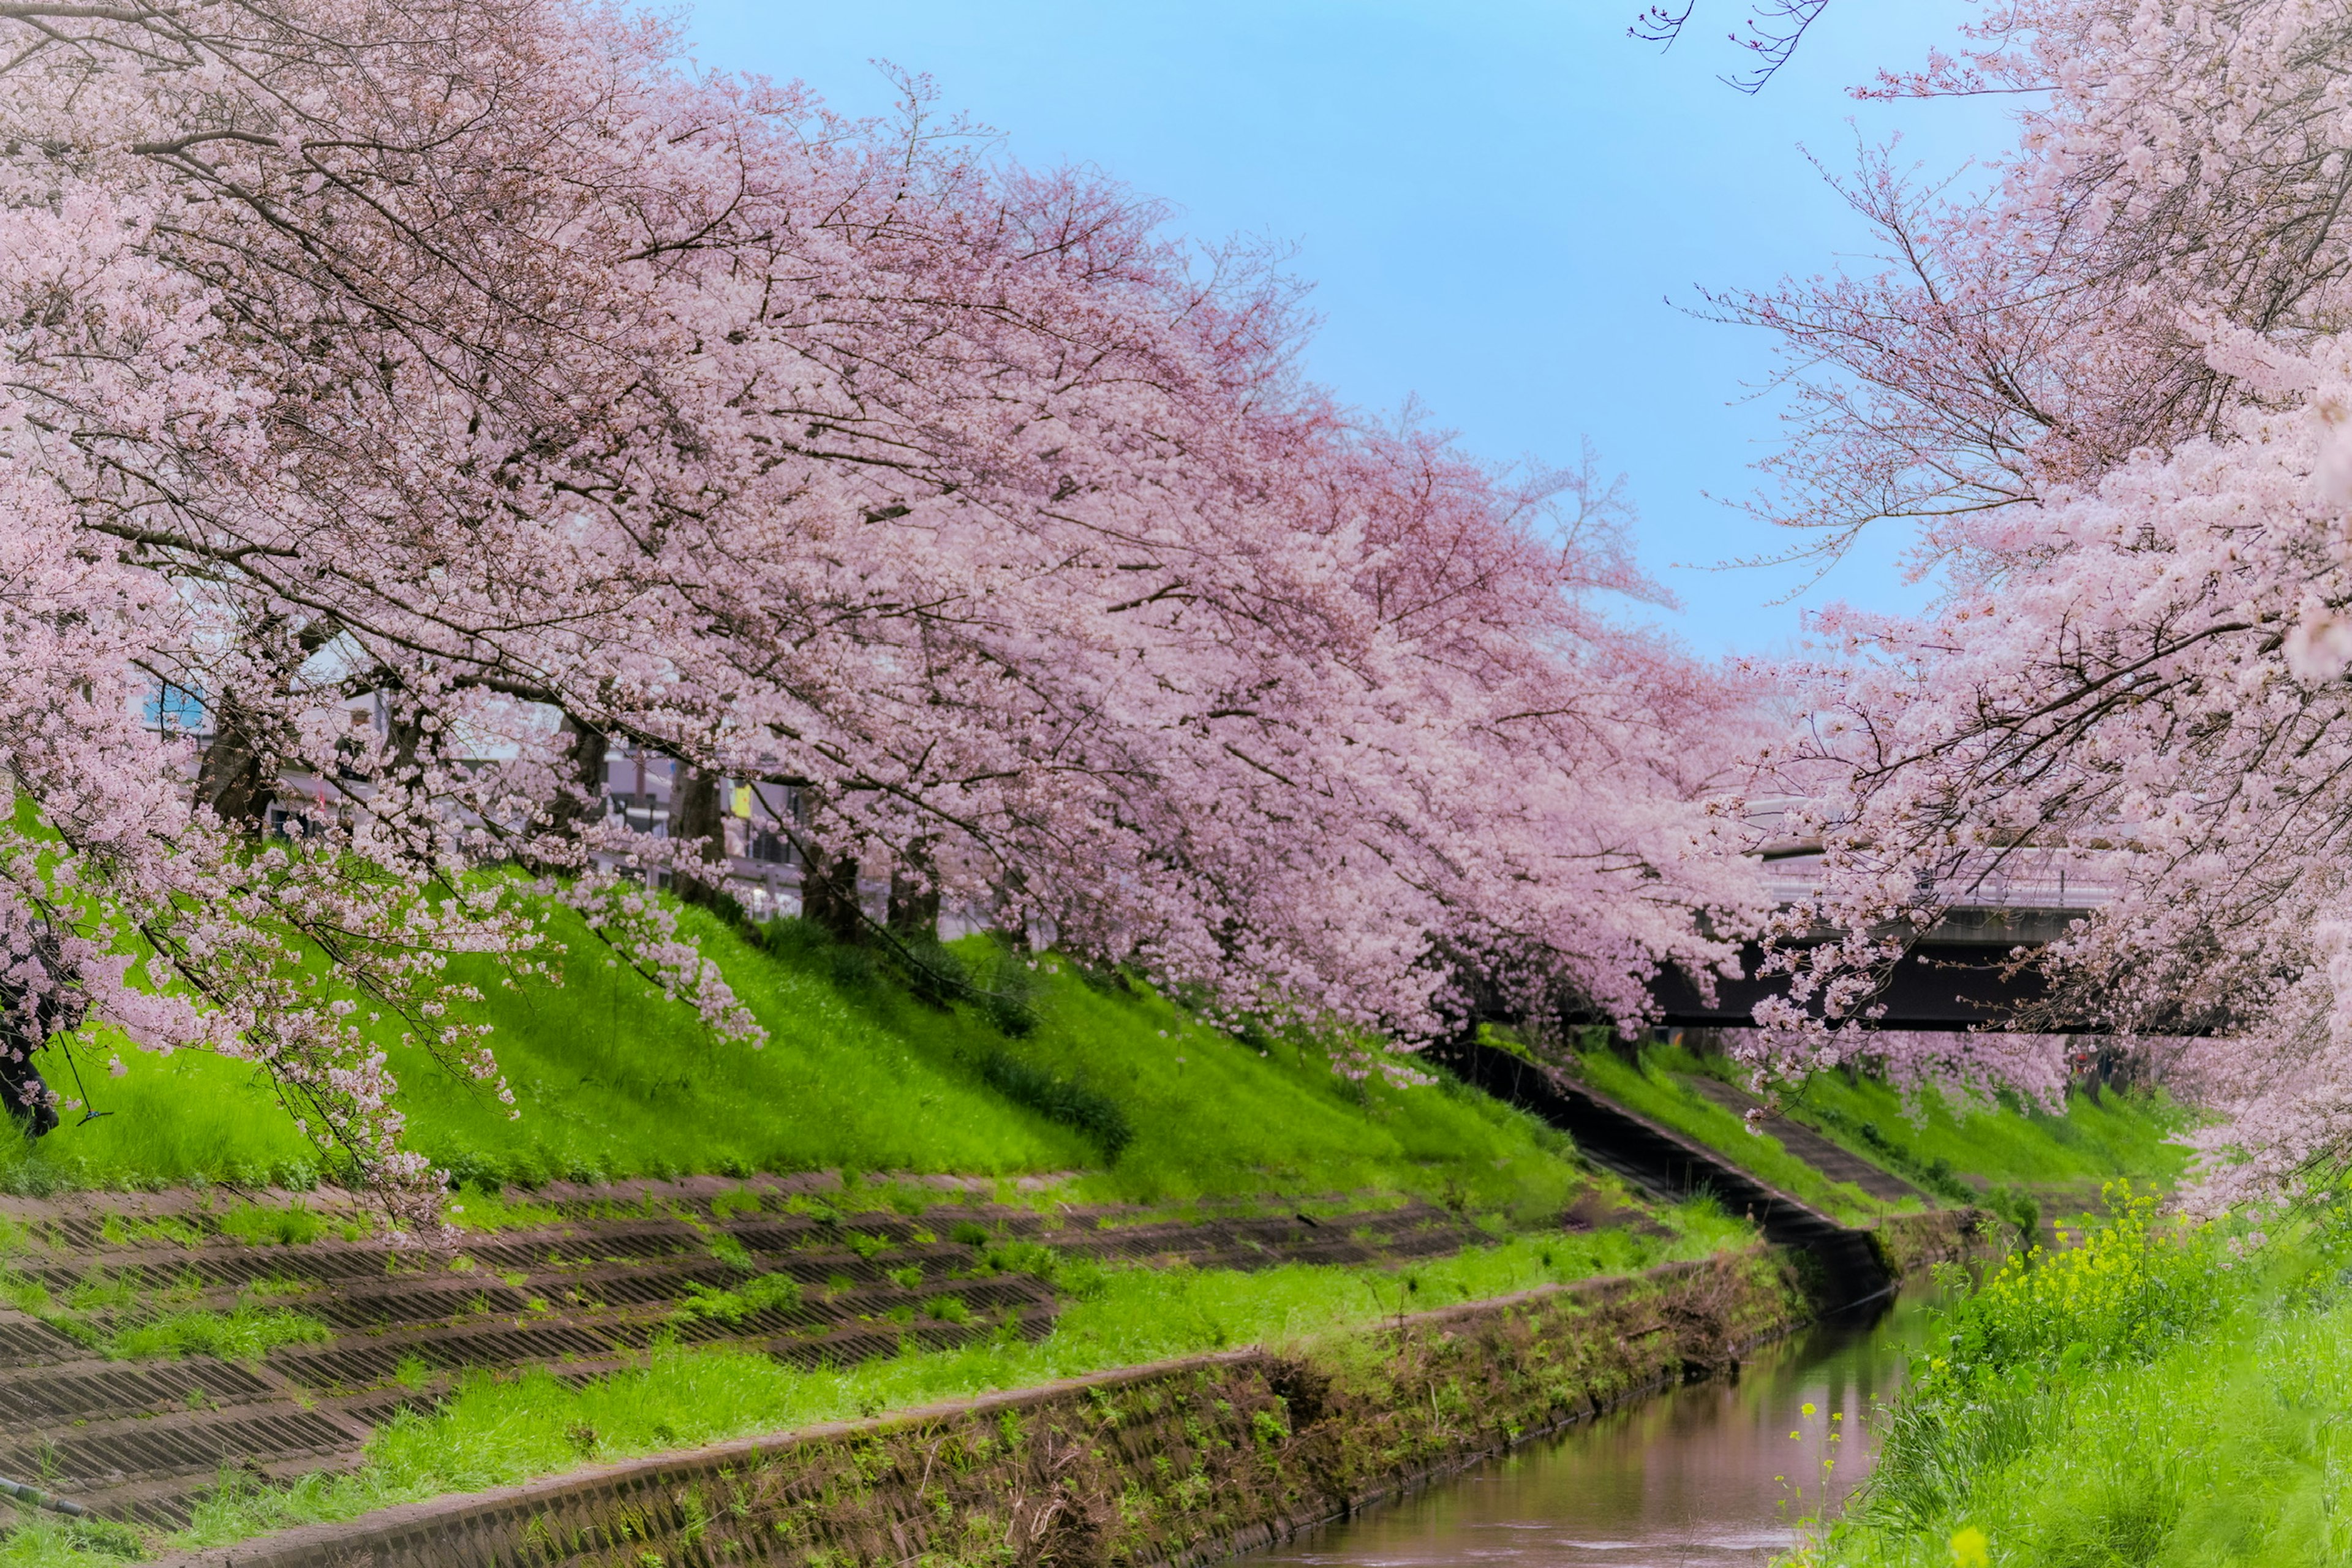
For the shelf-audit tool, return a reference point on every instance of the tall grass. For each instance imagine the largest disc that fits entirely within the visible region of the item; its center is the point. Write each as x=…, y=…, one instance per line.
x=2163, y=1395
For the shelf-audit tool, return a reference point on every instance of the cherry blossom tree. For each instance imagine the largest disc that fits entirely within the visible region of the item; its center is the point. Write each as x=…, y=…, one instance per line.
x=491, y=364
x=2112, y=390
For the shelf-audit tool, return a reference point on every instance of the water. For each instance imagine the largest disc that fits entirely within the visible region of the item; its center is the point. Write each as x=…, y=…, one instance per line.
x=1708, y=1476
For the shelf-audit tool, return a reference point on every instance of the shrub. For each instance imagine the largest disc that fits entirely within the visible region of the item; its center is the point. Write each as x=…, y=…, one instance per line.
x=1072, y=1101
x=2126, y=1292
x=2001, y=1381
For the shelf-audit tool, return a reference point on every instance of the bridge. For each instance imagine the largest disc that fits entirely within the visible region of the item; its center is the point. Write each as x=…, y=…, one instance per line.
x=1957, y=975
x=1960, y=974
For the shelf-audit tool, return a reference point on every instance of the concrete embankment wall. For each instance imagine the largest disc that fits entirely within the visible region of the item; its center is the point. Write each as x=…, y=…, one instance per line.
x=1180, y=1462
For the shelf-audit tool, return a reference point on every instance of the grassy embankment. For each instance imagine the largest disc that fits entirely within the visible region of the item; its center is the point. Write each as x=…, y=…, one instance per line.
x=2009, y=1155
x=2166, y=1394
x=1051, y=1072
x=1043, y=1070
x=494, y=1431
x=1054, y=1073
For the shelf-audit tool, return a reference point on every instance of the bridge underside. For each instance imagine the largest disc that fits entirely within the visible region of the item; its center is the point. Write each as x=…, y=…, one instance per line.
x=1961, y=975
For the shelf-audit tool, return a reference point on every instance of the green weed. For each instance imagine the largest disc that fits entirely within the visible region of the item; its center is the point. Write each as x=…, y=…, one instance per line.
x=259, y=1224
x=489, y=1209
x=768, y=1292
x=121, y=1230
x=244, y=1332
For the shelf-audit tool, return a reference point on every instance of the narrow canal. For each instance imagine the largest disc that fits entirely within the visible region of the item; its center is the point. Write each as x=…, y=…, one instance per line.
x=1717, y=1474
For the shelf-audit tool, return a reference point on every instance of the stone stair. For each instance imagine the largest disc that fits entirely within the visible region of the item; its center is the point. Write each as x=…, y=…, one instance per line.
x=1663, y=1162
x=1831, y=1159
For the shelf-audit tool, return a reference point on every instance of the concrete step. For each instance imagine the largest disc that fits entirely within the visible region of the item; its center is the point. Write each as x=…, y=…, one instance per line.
x=1834, y=1161
x=1661, y=1161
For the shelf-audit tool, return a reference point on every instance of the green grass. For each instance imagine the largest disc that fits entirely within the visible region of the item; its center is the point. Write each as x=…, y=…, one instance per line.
x=2161, y=1398
x=1043, y=1072
x=244, y=1332
x=495, y=1431
x=189, y=1118
x=117, y=1317
x=1654, y=1089
x=1959, y=1152
x=2119, y=1133
x=768, y=1292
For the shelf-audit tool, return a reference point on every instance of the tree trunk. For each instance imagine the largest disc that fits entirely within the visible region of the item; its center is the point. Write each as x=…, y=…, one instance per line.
x=829, y=895
x=582, y=803
x=914, y=912
x=237, y=776
x=694, y=813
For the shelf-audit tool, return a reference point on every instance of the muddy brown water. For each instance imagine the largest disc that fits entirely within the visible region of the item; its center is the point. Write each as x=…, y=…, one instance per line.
x=1717, y=1475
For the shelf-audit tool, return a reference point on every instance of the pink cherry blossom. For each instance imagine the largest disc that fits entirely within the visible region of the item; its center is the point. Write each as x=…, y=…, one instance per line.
x=489, y=364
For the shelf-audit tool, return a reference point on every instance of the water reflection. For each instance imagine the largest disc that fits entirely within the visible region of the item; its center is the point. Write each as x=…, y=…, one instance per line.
x=1705, y=1477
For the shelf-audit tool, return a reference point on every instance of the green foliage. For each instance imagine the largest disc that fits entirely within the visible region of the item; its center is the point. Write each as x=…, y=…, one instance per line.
x=768, y=1292
x=263, y=1225
x=489, y=1209
x=2129, y=1288
x=121, y=1230
x=40, y=1538
x=244, y=1332
x=2163, y=1393
x=1074, y=1102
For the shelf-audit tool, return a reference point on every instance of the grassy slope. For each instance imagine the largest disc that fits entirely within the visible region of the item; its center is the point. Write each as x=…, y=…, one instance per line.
x=1926, y=1139
x=498, y=1431
x=1654, y=1090
x=2119, y=1134
x=615, y=1081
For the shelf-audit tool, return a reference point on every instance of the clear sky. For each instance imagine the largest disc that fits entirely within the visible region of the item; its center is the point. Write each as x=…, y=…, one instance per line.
x=1501, y=204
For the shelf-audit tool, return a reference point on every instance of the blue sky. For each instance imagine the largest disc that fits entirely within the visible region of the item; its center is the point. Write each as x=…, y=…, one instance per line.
x=1500, y=205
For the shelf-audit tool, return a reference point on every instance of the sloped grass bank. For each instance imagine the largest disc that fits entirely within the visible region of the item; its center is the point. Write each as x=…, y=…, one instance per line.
x=1049, y=1071
x=1999, y=1152
x=2161, y=1395
x=2116, y=1133
x=497, y=1431
x=1649, y=1085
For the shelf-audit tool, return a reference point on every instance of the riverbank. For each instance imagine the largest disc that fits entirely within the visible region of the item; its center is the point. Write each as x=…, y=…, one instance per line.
x=1096, y=1179
x=2163, y=1394
x=1179, y=1462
